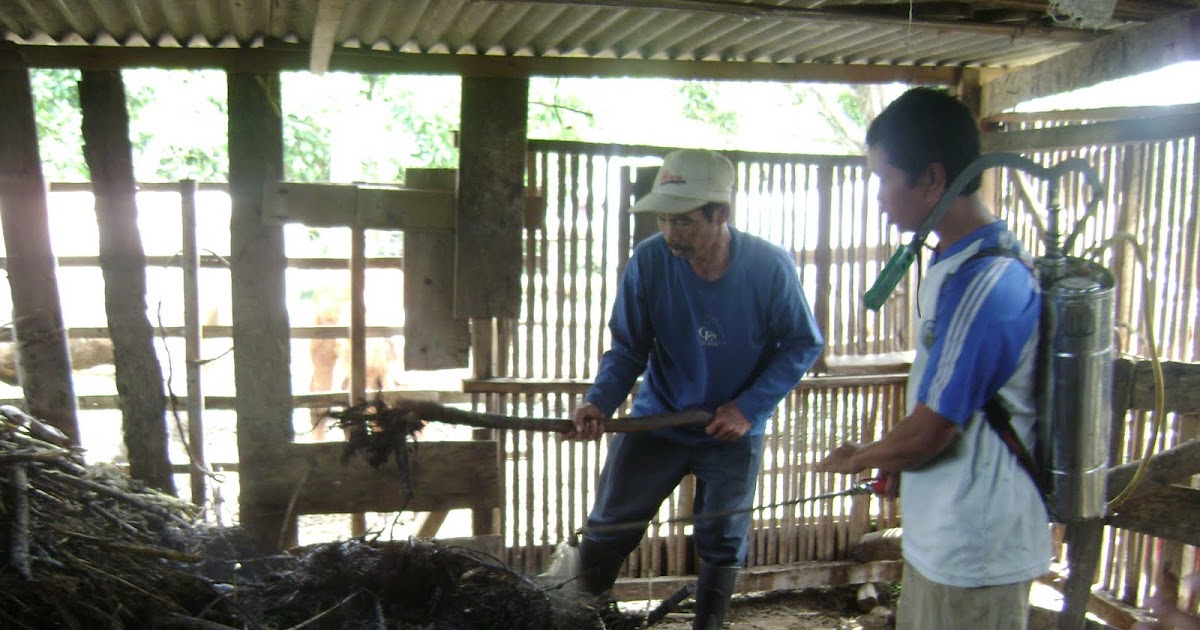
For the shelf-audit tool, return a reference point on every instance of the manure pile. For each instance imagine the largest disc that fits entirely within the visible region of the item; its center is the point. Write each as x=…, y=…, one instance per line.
x=87, y=547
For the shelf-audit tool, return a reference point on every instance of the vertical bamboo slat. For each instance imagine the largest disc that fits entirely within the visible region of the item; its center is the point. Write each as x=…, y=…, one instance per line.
x=607, y=239
x=823, y=258
x=571, y=299
x=545, y=471
x=559, y=268
x=800, y=443
x=589, y=239
x=820, y=486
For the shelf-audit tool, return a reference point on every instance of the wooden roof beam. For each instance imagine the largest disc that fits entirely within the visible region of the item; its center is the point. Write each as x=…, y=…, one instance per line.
x=325, y=27
x=1124, y=53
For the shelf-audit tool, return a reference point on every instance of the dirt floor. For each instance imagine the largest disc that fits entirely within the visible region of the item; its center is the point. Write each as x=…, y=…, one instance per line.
x=836, y=609
x=818, y=609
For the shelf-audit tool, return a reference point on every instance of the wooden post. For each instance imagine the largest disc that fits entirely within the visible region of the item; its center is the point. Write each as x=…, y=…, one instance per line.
x=491, y=214
x=358, y=314
x=969, y=90
x=491, y=197
x=358, y=339
x=123, y=265
x=260, y=320
x=484, y=521
x=1083, y=557
x=40, y=338
x=193, y=334
x=1172, y=559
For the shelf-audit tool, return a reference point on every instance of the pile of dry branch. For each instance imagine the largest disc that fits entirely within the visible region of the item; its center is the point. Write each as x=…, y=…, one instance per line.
x=86, y=547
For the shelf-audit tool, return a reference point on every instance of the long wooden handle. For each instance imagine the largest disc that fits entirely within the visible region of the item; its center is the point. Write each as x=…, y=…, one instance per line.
x=433, y=412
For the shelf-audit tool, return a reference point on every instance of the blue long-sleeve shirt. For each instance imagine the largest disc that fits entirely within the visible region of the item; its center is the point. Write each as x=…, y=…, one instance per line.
x=746, y=337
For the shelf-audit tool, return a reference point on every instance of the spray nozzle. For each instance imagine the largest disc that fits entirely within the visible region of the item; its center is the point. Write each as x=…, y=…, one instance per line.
x=893, y=272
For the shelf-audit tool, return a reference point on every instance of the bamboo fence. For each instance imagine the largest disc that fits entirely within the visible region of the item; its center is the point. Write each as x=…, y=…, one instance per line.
x=822, y=209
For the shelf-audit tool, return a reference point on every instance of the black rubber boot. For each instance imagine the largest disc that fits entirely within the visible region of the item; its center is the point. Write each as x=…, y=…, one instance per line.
x=598, y=567
x=713, y=591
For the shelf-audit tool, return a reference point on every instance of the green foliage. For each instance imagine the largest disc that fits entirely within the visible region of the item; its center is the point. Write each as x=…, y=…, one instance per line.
x=60, y=136
x=177, y=124
x=306, y=150
x=345, y=127
x=854, y=108
x=355, y=128
x=557, y=114
x=700, y=106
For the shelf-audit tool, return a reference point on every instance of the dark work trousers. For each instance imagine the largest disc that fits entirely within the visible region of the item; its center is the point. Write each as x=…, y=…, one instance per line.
x=642, y=470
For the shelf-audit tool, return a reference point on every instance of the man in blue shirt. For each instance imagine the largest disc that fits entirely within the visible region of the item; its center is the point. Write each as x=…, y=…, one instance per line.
x=975, y=528
x=714, y=319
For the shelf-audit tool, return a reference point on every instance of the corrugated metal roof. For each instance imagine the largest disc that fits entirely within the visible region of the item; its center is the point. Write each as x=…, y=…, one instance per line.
x=885, y=32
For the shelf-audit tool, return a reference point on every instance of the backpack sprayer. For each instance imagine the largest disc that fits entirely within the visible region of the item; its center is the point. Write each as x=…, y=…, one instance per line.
x=1076, y=344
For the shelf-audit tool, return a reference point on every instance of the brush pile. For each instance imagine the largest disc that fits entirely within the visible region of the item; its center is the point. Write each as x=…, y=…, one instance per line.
x=87, y=547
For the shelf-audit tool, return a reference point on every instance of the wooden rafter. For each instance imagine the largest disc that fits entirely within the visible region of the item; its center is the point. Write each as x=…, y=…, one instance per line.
x=325, y=26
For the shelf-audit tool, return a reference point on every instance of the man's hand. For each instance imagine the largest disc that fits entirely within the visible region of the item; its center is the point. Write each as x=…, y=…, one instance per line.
x=840, y=460
x=588, y=421
x=891, y=486
x=728, y=423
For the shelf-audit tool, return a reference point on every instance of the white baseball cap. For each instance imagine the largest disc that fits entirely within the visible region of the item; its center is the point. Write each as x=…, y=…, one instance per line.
x=688, y=179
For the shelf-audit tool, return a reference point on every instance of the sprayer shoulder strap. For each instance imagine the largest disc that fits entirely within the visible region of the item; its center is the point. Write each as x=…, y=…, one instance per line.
x=997, y=414
x=1000, y=420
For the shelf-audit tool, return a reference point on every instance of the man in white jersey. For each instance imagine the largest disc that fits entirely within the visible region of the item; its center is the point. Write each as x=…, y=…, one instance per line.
x=975, y=528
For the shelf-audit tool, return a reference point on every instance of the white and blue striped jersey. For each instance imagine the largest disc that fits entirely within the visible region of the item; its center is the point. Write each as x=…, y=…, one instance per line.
x=972, y=516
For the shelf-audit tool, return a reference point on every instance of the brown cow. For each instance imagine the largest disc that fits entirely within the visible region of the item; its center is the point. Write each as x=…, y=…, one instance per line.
x=331, y=358
x=85, y=353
